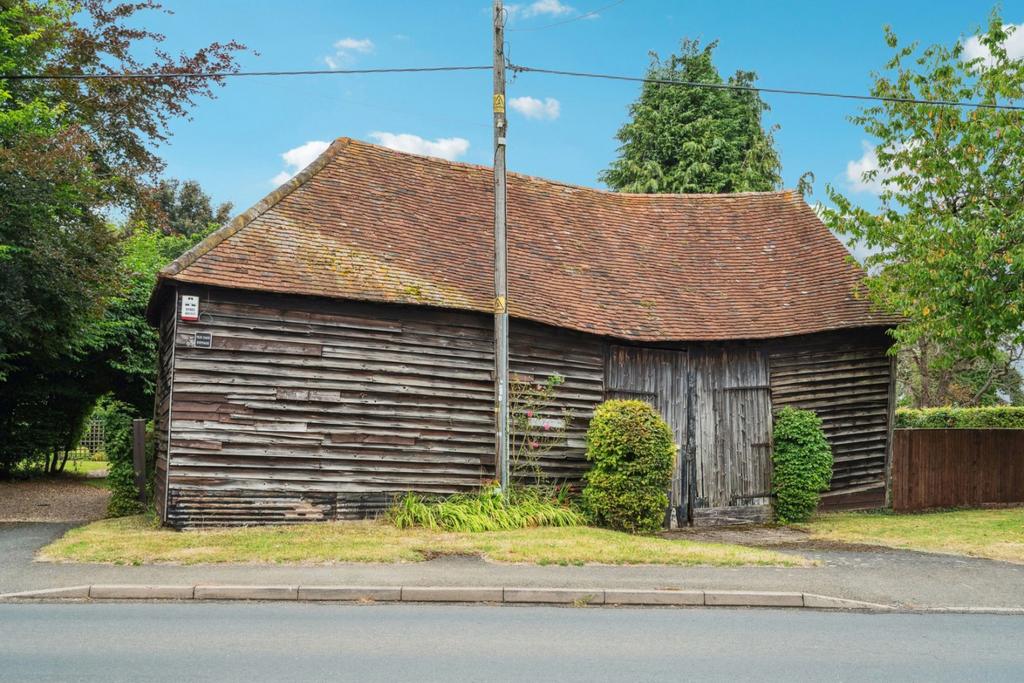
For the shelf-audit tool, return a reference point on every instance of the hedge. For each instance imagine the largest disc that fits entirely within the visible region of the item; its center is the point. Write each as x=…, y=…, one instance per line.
x=994, y=417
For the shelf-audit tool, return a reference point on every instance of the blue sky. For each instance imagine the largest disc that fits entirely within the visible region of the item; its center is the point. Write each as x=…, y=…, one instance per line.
x=260, y=130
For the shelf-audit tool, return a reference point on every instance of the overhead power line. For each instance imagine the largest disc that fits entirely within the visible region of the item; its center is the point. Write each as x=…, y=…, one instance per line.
x=592, y=13
x=516, y=68
x=232, y=74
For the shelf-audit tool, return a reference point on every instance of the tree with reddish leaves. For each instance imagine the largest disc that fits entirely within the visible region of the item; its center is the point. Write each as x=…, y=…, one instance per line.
x=72, y=150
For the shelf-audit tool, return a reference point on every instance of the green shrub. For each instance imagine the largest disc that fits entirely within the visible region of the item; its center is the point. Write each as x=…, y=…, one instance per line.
x=117, y=426
x=994, y=417
x=632, y=452
x=801, y=464
x=487, y=510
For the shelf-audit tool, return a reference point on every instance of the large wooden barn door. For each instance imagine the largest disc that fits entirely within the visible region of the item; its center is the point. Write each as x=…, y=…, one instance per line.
x=731, y=437
x=657, y=376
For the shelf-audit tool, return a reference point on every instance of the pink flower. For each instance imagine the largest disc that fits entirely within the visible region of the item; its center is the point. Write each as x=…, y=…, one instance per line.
x=546, y=426
x=534, y=444
x=529, y=413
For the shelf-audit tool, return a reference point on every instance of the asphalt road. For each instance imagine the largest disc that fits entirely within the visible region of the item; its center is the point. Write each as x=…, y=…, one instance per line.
x=272, y=641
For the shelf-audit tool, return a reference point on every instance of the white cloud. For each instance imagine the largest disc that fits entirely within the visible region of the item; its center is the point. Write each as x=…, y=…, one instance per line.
x=346, y=49
x=533, y=108
x=856, y=169
x=446, y=148
x=299, y=158
x=354, y=44
x=868, y=161
x=281, y=178
x=1014, y=45
x=551, y=8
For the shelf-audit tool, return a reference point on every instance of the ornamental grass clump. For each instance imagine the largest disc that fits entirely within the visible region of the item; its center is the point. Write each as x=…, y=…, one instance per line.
x=487, y=510
x=632, y=452
x=801, y=464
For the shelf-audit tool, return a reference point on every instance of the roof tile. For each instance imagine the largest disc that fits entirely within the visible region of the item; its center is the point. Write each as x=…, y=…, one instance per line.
x=368, y=223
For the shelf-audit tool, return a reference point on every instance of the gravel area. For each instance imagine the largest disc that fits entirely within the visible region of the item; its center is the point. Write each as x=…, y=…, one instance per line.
x=769, y=537
x=743, y=535
x=61, y=499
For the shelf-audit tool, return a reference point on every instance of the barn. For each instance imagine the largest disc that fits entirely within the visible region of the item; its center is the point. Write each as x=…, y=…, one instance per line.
x=332, y=346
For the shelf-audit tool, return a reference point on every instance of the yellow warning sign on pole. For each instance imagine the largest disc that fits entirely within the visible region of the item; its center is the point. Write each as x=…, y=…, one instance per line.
x=499, y=104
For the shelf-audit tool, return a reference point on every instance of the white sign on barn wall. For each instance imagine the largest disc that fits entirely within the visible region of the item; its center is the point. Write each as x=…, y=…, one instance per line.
x=189, y=307
x=547, y=423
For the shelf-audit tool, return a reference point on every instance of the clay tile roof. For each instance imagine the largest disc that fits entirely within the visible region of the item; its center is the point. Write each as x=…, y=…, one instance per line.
x=368, y=223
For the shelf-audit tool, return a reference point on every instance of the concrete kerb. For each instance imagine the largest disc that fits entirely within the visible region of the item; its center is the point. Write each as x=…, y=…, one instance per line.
x=246, y=592
x=555, y=596
x=484, y=594
x=137, y=592
x=452, y=594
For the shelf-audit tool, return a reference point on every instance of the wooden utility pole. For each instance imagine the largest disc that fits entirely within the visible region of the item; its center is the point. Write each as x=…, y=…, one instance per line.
x=501, y=445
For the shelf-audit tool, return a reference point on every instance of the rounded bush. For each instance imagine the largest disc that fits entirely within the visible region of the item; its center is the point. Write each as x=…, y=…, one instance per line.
x=802, y=464
x=632, y=452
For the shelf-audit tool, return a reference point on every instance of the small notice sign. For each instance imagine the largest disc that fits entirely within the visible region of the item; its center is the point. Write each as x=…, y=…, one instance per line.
x=499, y=104
x=203, y=340
x=189, y=307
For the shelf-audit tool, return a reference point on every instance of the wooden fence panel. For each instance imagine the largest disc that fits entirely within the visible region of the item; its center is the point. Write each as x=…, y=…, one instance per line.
x=956, y=467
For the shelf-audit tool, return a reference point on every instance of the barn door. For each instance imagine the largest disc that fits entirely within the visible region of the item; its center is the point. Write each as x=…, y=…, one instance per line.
x=731, y=437
x=657, y=376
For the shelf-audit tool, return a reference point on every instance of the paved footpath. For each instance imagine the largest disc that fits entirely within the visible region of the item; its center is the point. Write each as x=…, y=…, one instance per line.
x=393, y=642
x=900, y=578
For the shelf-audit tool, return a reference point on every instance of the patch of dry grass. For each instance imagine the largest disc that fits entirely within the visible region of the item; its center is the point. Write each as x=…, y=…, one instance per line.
x=137, y=540
x=997, y=534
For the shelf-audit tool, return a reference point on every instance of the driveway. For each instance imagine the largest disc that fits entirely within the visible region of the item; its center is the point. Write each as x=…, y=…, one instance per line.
x=19, y=542
x=62, y=498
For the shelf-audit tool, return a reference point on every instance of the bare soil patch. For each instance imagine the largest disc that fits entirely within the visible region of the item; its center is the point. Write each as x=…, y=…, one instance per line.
x=60, y=499
x=767, y=536
x=762, y=536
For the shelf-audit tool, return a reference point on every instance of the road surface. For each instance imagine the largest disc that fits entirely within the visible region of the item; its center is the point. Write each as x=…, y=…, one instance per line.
x=309, y=641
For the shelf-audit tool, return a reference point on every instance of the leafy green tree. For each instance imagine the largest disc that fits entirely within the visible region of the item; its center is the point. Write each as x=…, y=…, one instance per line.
x=126, y=347
x=181, y=208
x=72, y=151
x=928, y=376
x=947, y=244
x=686, y=139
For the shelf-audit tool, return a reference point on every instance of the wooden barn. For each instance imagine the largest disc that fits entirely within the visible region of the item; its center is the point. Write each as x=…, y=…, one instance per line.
x=332, y=346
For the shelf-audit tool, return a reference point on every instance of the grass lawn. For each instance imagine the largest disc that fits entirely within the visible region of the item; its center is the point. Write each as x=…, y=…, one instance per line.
x=78, y=469
x=996, y=534
x=137, y=540
x=84, y=466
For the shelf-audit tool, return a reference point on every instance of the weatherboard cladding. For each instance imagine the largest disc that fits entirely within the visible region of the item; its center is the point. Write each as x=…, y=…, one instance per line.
x=305, y=408
x=368, y=223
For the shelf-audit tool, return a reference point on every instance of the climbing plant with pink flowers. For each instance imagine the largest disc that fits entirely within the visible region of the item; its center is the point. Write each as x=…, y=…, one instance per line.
x=538, y=423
